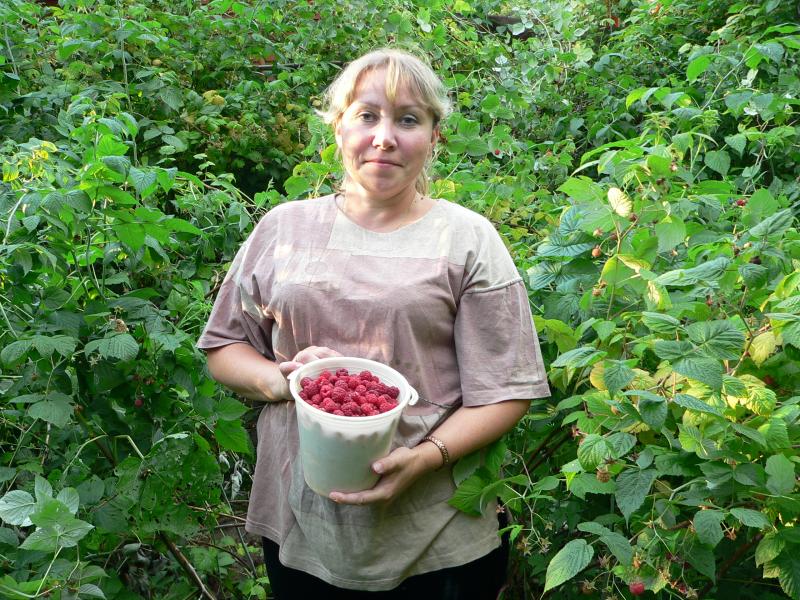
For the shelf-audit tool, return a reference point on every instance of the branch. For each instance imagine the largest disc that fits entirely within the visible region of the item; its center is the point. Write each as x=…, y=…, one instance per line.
x=187, y=566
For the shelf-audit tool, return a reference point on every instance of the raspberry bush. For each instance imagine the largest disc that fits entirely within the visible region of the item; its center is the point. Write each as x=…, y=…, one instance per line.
x=640, y=158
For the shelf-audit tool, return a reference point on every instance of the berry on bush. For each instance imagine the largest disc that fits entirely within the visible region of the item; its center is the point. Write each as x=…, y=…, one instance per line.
x=636, y=588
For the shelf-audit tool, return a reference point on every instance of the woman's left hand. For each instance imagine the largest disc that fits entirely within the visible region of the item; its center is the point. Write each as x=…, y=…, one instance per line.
x=398, y=471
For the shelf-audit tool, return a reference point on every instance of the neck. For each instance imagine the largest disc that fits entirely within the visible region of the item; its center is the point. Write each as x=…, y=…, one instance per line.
x=382, y=214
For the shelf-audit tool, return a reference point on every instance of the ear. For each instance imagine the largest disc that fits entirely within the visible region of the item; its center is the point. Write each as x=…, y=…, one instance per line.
x=435, y=135
x=337, y=134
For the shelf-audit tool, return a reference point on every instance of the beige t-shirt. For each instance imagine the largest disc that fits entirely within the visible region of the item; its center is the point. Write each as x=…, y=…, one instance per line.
x=439, y=300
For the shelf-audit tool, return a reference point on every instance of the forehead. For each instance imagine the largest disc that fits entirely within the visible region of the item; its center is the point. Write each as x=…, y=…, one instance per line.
x=374, y=87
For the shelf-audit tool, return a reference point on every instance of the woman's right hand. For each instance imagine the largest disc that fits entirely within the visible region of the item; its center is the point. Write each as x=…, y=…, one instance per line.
x=306, y=356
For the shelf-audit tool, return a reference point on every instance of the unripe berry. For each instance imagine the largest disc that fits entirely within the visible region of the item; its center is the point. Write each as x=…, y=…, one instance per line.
x=138, y=402
x=597, y=252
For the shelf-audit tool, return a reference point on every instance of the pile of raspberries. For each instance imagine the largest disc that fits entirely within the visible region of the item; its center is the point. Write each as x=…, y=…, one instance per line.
x=340, y=393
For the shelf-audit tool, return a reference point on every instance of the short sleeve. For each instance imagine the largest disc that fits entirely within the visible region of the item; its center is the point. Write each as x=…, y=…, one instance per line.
x=238, y=314
x=496, y=344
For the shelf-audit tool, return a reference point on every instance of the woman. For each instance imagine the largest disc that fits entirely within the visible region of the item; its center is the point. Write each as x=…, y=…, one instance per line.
x=379, y=271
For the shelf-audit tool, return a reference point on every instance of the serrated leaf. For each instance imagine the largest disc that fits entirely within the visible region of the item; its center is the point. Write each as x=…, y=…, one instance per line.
x=776, y=223
x=708, y=272
x=653, y=410
x=232, y=436
x=568, y=562
x=616, y=375
x=717, y=339
x=707, y=524
x=751, y=518
x=691, y=403
x=16, y=507
x=769, y=548
x=621, y=443
x=620, y=202
x=761, y=400
x=697, y=67
x=775, y=433
x=142, y=180
x=788, y=565
x=702, y=558
x=57, y=412
x=780, y=475
x=633, y=486
x=579, y=357
x=704, y=370
x=119, y=345
x=593, y=451
x=70, y=498
x=14, y=351
x=89, y=590
x=42, y=489
x=762, y=346
x=719, y=161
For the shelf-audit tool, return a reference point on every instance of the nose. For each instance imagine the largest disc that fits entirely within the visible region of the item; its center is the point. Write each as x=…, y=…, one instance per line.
x=384, y=135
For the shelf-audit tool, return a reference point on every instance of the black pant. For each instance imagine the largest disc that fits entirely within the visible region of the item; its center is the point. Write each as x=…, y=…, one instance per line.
x=479, y=580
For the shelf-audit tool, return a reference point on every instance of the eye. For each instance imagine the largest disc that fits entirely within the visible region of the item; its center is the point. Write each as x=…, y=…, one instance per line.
x=409, y=120
x=365, y=116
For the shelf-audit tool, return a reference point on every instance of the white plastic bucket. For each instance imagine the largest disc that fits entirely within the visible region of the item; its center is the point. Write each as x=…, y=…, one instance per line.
x=336, y=451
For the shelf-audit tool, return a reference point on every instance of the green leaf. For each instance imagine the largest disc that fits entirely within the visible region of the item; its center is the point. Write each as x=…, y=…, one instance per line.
x=42, y=489
x=296, y=186
x=64, y=345
x=118, y=345
x=774, y=224
x=780, y=472
x=691, y=403
x=143, y=181
x=769, y=548
x=719, y=161
x=620, y=202
x=593, y=451
x=737, y=142
x=788, y=564
x=229, y=409
x=697, y=67
x=70, y=498
x=708, y=272
x=57, y=412
x=568, y=562
x=616, y=375
x=621, y=443
x=633, y=486
x=707, y=524
x=89, y=590
x=702, y=558
x=653, y=410
x=232, y=436
x=751, y=518
x=617, y=543
x=14, y=351
x=761, y=400
x=16, y=507
x=579, y=357
x=717, y=339
x=704, y=370
x=775, y=433
x=670, y=233
x=467, y=496
x=587, y=483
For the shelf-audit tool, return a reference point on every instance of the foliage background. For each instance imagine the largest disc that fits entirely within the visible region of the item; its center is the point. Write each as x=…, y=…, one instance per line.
x=639, y=157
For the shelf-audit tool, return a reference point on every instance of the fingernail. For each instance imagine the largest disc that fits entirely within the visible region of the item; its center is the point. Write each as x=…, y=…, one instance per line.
x=377, y=467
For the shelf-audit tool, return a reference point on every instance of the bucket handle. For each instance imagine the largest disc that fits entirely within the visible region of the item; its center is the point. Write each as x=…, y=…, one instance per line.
x=414, y=396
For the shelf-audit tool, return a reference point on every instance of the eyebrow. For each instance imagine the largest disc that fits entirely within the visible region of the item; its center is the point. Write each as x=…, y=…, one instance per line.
x=402, y=107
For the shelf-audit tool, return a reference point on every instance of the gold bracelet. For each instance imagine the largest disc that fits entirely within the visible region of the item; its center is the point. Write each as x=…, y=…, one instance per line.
x=442, y=448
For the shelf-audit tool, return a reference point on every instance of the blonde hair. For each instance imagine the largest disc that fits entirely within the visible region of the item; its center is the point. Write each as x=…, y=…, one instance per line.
x=403, y=70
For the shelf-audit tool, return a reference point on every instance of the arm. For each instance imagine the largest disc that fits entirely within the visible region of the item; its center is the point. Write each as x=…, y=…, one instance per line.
x=243, y=369
x=467, y=430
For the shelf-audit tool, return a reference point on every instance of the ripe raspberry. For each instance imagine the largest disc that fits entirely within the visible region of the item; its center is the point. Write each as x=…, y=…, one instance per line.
x=138, y=402
x=316, y=399
x=338, y=395
x=338, y=411
x=352, y=383
x=303, y=394
x=368, y=408
x=361, y=389
x=386, y=406
x=393, y=392
x=341, y=383
x=351, y=409
x=342, y=372
x=311, y=389
x=326, y=390
x=329, y=405
x=636, y=588
x=365, y=376
x=325, y=375
x=305, y=382
x=333, y=379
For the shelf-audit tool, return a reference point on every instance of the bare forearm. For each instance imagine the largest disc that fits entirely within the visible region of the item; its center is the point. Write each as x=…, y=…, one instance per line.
x=243, y=369
x=471, y=428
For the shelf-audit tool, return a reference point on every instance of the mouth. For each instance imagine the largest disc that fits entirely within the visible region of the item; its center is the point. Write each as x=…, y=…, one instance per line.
x=382, y=162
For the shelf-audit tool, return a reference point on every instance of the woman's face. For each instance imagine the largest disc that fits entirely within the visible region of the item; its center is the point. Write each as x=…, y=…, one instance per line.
x=384, y=144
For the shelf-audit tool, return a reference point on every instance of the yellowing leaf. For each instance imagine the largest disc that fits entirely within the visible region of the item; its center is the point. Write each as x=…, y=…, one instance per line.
x=596, y=376
x=762, y=346
x=620, y=202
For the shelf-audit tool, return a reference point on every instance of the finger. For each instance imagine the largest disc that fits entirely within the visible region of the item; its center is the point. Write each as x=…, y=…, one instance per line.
x=358, y=498
x=288, y=366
